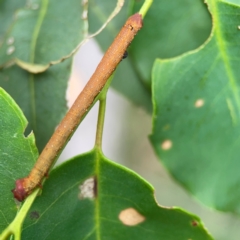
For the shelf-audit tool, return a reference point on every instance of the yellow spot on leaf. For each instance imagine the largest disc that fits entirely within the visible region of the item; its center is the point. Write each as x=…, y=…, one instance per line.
x=166, y=145
x=199, y=103
x=130, y=217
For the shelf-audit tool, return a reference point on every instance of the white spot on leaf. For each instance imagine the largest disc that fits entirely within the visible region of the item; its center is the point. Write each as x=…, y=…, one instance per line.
x=199, y=103
x=10, y=40
x=84, y=15
x=239, y=27
x=87, y=189
x=130, y=217
x=10, y=50
x=166, y=145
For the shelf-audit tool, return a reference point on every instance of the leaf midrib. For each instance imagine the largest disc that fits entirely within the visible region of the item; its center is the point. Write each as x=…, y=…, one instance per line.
x=97, y=205
x=222, y=46
x=35, y=35
x=37, y=28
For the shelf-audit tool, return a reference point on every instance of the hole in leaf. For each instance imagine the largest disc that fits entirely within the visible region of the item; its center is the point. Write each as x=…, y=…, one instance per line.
x=27, y=131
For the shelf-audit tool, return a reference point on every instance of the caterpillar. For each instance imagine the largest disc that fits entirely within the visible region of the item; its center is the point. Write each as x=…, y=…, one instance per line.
x=113, y=56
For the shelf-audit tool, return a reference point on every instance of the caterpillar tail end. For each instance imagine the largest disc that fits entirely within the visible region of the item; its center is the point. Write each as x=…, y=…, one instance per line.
x=19, y=192
x=135, y=22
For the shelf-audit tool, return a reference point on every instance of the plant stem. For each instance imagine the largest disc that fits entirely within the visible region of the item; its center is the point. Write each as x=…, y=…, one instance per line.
x=101, y=113
x=100, y=124
x=15, y=227
x=145, y=7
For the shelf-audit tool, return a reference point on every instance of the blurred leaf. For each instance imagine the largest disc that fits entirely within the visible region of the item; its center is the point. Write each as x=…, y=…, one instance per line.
x=167, y=32
x=233, y=1
x=43, y=31
x=7, y=11
x=170, y=29
x=17, y=154
x=125, y=80
x=42, y=97
x=63, y=212
x=196, y=113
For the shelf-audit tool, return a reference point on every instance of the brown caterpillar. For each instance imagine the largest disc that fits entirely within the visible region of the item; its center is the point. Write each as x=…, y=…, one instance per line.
x=104, y=70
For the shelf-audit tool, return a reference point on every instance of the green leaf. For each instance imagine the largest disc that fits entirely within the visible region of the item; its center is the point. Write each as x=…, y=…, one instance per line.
x=17, y=154
x=125, y=79
x=65, y=212
x=196, y=113
x=42, y=97
x=43, y=31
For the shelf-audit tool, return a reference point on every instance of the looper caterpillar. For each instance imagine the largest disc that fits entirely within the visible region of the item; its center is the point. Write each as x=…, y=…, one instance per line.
x=104, y=70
